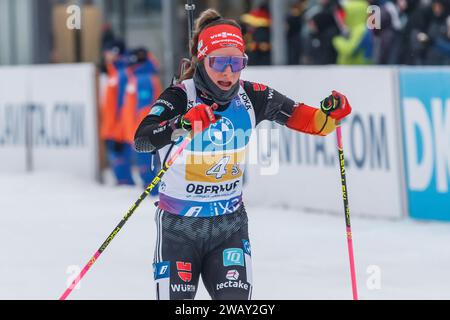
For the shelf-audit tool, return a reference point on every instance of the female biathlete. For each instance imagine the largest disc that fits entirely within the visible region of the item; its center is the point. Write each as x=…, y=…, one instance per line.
x=201, y=221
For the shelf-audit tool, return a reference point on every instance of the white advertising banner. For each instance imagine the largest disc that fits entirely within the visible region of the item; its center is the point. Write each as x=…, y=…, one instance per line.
x=61, y=115
x=302, y=171
x=64, y=119
x=13, y=106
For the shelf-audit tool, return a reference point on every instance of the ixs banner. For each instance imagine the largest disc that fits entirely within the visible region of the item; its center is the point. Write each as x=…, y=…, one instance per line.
x=51, y=113
x=425, y=105
x=300, y=170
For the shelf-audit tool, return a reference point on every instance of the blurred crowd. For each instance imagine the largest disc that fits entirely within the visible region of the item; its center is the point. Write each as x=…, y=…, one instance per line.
x=413, y=32
x=132, y=83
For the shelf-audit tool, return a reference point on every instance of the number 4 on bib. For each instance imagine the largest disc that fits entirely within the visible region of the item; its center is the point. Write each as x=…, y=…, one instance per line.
x=219, y=169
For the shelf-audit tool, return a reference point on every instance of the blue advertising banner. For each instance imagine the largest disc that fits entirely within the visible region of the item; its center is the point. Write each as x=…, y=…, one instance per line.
x=425, y=104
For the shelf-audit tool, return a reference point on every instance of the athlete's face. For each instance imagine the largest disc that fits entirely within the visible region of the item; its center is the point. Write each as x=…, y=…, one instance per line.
x=227, y=78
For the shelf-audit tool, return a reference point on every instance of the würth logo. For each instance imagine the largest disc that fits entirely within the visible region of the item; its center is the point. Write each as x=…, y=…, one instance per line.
x=184, y=271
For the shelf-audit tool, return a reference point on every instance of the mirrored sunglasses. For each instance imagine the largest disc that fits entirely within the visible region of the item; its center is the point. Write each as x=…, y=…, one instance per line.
x=219, y=63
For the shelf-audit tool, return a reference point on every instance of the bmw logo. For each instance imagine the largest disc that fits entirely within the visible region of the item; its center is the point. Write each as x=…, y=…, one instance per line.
x=221, y=132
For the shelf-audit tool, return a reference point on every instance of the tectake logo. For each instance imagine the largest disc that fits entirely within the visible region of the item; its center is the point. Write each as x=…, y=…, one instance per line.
x=233, y=257
x=232, y=275
x=184, y=271
x=232, y=284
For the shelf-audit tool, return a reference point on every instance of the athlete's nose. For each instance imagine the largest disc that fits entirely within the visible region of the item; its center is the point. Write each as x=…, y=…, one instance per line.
x=228, y=70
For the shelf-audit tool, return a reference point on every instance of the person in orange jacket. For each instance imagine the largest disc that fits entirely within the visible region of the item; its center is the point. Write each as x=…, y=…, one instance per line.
x=111, y=129
x=142, y=89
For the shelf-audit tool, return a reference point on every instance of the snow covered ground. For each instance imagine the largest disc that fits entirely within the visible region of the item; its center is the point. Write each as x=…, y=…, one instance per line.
x=51, y=224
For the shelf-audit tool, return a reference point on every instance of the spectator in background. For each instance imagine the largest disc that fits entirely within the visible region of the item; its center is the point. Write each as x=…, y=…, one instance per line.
x=355, y=46
x=410, y=18
x=442, y=44
x=418, y=35
x=388, y=33
x=112, y=47
x=322, y=27
x=295, y=19
x=131, y=88
x=256, y=31
x=143, y=88
x=436, y=36
x=111, y=130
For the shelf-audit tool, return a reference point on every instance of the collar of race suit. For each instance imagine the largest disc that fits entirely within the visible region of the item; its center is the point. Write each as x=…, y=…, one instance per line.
x=204, y=83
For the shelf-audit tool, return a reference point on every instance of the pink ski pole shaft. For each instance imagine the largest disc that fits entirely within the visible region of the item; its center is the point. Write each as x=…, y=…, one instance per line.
x=347, y=211
x=130, y=211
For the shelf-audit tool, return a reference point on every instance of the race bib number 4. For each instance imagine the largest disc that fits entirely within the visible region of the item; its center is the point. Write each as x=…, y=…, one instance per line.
x=204, y=168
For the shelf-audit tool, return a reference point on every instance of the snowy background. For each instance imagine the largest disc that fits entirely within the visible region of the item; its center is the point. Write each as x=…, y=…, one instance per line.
x=51, y=224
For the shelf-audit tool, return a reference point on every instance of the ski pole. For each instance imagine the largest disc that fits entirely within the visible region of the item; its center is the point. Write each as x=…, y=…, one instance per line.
x=129, y=213
x=346, y=210
x=185, y=62
x=190, y=7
